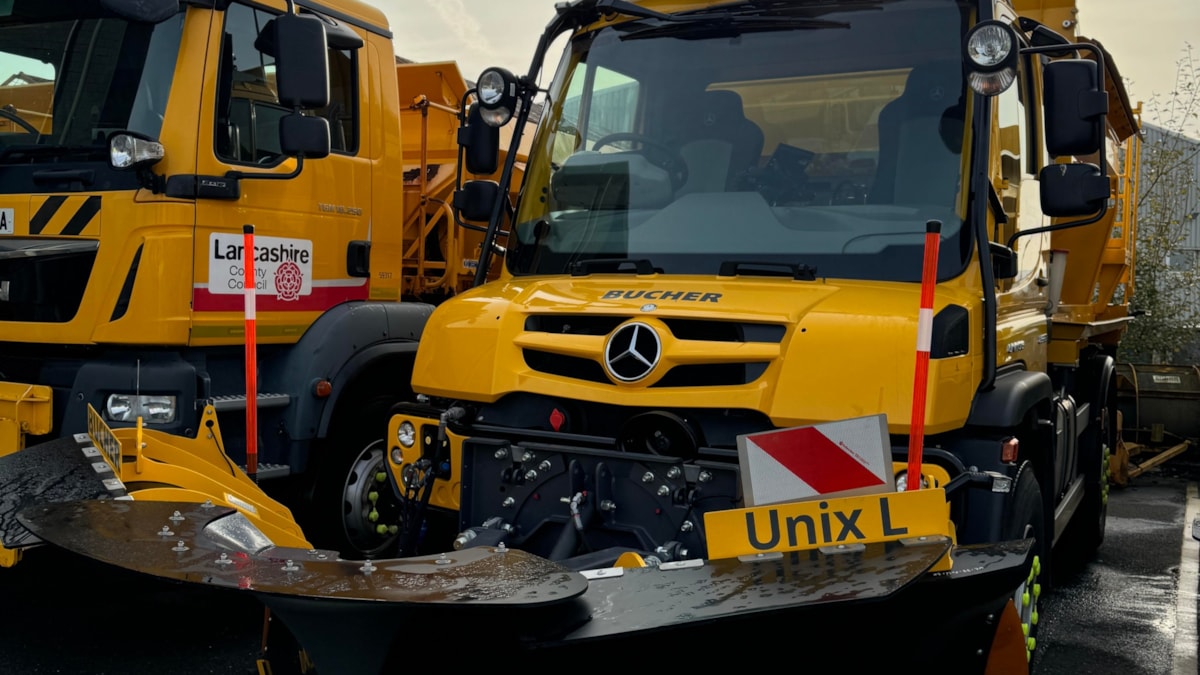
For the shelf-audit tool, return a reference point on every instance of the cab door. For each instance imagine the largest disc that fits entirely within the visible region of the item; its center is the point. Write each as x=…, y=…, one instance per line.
x=303, y=225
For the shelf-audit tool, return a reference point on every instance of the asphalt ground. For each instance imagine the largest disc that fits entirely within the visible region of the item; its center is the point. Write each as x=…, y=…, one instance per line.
x=1131, y=611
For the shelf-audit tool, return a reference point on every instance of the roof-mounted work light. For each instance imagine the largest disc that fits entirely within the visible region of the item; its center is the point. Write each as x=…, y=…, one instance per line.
x=990, y=51
x=497, y=90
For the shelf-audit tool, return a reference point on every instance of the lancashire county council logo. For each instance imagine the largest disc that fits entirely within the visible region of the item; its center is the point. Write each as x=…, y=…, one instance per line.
x=288, y=281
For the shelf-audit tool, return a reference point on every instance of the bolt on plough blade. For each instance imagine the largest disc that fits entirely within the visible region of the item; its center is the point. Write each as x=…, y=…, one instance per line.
x=372, y=616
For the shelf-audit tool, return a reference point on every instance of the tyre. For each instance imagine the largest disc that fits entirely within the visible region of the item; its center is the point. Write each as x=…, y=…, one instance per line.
x=1098, y=386
x=1024, y=518
x=352, y=508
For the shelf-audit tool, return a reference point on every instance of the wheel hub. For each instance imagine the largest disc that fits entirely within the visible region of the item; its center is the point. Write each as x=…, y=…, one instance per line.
x=370, y=510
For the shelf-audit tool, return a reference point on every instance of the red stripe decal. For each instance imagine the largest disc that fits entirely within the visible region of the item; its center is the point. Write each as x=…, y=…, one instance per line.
x=321, y=298
x=816, y=460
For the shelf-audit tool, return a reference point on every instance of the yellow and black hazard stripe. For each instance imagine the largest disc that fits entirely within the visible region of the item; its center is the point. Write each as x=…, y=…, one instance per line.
x=65, y=216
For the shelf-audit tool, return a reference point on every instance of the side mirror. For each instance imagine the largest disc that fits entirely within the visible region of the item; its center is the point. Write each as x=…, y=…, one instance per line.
x=1073, y=190
x=1075, y=106
x=1004, y=261
x=301, y=61
x=301, y=136
x=476, y=199
x=480, y=143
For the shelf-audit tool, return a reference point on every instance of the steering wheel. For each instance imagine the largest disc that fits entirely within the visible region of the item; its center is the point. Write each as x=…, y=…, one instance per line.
x=656, y=152
x=9, y=113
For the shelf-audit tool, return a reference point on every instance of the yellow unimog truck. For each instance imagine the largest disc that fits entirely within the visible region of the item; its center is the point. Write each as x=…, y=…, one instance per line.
x=740, y=227
x=721, y=232
x=137, y=139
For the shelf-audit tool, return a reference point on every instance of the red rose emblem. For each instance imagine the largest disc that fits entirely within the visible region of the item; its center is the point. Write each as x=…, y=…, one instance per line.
x=288, y=281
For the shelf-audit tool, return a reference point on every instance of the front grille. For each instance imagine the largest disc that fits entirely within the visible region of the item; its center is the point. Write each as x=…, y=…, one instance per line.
x=562, y=365
x=712, y=375
x=44, y=280
x=691, y=375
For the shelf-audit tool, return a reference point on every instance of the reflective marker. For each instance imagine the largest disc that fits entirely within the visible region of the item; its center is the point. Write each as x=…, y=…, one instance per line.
x=249, y=288
x=916, y=434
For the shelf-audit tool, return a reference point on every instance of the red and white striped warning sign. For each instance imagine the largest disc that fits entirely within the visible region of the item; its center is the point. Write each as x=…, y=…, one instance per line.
x=840, y=458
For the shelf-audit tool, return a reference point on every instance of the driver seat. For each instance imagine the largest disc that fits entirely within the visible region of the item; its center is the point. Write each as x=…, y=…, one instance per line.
x=921, y=137
x=718, y=143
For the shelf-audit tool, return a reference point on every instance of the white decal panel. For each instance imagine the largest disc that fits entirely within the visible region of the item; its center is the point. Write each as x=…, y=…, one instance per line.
x=282, y=267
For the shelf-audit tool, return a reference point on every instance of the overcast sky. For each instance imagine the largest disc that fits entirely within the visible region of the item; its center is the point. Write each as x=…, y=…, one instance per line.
x=479, y=33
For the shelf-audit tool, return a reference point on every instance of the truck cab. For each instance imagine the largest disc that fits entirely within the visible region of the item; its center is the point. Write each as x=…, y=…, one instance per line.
x=137, y=142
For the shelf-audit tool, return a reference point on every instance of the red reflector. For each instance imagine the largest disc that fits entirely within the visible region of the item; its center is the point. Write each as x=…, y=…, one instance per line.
x=556, y=419
x=1008, y=449
x=322, y=388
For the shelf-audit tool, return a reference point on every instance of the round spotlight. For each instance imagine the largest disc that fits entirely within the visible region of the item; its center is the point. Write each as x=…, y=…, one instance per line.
x=497, y=92
x=989, y=45
x=990, y=50
x=406, y=434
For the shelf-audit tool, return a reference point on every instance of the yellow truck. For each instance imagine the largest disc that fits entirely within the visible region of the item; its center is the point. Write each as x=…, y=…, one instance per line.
x=740, y=227
x=137, y=139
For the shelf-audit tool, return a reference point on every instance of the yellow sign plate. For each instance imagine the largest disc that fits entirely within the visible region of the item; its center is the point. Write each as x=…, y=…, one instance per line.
x=817, y=523
x=104, y=439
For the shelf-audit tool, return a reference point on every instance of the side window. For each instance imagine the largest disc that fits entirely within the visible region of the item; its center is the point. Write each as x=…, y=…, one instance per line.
x=613, y=108
x=248, y=109
x=1014, y=141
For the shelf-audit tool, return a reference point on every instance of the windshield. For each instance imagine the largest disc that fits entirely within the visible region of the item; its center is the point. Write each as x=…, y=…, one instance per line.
x=808, y=137
x=70, y=75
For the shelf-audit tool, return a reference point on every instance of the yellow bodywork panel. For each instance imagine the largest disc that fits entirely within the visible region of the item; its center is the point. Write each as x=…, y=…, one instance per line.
x=819, y=523
x=9, y=556
x=24, y=409
x=191, y=469
x=482, y=335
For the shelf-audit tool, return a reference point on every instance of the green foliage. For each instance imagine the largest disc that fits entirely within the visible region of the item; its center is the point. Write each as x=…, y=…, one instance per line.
x=1166, y=274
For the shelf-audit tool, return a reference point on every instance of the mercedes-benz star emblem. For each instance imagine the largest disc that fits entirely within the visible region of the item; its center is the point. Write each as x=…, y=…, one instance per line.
x=632, y=352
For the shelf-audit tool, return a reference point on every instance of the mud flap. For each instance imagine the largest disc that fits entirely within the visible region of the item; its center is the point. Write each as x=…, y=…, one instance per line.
x=66, y=469
x=480, y=606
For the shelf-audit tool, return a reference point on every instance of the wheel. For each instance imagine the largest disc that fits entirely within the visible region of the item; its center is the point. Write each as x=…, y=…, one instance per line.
x=1025, y=518
x=1098, y=385
x=352, y=508
x=658, y=153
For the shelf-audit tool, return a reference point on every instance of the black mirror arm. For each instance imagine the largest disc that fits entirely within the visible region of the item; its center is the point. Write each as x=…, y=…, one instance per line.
x=1062, y=226
x=566, y=20
x=269, y=176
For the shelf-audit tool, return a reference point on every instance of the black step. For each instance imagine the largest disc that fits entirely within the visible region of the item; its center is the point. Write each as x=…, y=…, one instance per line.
x=268, y=471
x=238, y=401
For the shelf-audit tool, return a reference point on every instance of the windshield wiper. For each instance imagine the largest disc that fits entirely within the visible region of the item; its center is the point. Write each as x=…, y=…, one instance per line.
x=582, y=268
x=797, y=271
x=728, y=25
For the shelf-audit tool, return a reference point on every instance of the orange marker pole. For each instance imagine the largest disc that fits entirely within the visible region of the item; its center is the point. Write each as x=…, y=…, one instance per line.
x=916, y=434
x=249, y=285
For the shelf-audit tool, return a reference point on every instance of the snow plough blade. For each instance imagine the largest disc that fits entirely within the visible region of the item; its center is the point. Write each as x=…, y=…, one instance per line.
x=876, y=604
x=132, y=463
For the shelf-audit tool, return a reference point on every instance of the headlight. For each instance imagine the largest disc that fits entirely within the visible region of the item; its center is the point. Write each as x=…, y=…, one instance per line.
x=989, y=46
x=497, y=92
x=126, y=151
x=152, y=409
x=406, y=434
x=493, y=86
x=990, y=51
x=902, y=482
